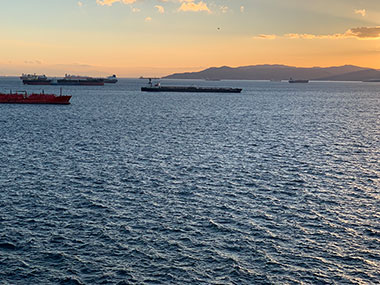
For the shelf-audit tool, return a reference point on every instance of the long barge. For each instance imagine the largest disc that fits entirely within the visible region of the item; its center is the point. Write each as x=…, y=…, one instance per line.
x=190, y=89
x=34, y=98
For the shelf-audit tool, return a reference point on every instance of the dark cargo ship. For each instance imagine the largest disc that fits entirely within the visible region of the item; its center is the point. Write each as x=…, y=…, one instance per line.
x=190, y=89
x=158, y=88
x=291, y=80
x=35, y=79
x=78, y=80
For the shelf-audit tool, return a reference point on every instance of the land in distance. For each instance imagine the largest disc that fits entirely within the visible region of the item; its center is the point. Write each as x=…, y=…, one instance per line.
x=283, y=72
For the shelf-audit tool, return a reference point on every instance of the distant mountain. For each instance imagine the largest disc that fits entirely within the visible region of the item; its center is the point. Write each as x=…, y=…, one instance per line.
x=282, y=72
x=361, y=75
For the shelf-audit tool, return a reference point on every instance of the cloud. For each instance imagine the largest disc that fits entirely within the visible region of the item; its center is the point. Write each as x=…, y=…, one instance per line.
x=312, y=36
x=191, y=6
x=360, y=12
x=365, y=33
x=186, y=5
x=110, y=2
x=224, y=9
x=148, y=19
x=242, y=9
x=265, y=37
x=135, y=10
x=32, y=62
x=80, y=4
x=160, y=9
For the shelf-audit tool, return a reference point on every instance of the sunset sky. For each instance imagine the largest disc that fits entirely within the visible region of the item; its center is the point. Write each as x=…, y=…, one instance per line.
x=159, y=37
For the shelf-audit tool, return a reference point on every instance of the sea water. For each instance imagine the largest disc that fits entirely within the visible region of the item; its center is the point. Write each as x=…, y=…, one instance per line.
x=277, y=185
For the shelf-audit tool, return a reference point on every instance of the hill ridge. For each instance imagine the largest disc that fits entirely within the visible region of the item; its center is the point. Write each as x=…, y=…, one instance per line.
x=282, y=72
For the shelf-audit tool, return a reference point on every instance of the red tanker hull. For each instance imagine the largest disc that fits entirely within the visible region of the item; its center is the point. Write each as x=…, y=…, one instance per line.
x=19, y=98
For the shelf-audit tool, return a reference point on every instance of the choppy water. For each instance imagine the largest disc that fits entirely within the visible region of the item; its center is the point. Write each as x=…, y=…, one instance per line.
x=277, y=185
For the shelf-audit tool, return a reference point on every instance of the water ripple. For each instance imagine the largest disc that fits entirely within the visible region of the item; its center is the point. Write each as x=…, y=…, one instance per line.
x=278, y=185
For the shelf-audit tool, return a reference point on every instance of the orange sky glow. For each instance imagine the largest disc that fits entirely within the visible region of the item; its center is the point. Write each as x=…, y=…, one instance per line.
x=155, y=38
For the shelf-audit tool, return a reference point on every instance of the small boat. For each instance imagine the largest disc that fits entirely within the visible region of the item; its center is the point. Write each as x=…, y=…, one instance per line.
x=22, y=97
x=291, y=80
x=158, y=88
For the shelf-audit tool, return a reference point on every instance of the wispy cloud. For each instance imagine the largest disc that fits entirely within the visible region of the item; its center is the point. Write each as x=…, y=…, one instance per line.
x=242, y=9
x=148, y=19
x=364, y=33
x=185, y=5
x=160, y=9
x=265, y=37
x=32, y=62
x=80, y=4
x=312, y=36
x=191, y=6
x=110, y=2
x=224, y=9
x=360, y=12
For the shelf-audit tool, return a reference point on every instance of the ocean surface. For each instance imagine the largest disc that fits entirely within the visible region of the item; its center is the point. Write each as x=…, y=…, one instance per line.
x=277, y=185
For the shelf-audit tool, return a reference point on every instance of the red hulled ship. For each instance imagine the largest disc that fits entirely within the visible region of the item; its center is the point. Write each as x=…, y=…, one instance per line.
x=34, y=98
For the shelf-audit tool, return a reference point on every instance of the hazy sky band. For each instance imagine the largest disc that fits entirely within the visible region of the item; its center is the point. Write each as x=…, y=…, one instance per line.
x=139, y=37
